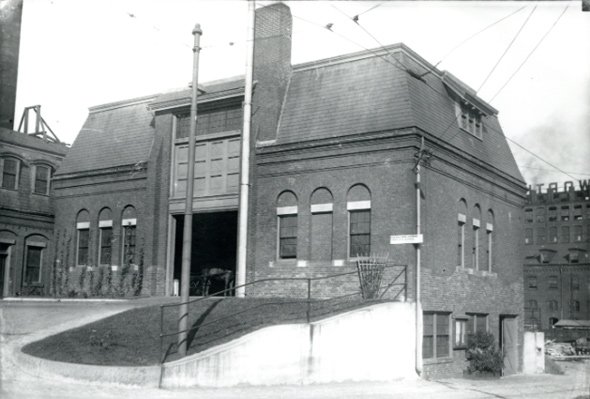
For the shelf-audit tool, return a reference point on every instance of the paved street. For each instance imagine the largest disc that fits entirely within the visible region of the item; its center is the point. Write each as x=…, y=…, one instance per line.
x=20, y=321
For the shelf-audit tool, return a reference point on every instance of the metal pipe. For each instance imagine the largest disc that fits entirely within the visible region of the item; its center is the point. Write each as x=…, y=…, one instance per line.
x=188, y=212
x=418, y=305
x=245, y=159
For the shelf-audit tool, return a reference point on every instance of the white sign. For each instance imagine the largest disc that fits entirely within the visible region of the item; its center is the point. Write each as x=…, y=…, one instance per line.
x=406, y=239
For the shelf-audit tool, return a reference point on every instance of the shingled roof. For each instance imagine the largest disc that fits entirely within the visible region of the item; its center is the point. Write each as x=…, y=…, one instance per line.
x=114, y=135
x=362, y=93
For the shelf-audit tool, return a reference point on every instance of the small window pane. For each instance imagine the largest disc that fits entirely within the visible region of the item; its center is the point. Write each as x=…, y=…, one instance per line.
x=9, y=173
x=288, y=236
x=41, y=180
x=106, y=238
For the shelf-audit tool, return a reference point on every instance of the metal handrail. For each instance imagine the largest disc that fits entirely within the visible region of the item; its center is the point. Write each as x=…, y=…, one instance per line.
x=308, y=301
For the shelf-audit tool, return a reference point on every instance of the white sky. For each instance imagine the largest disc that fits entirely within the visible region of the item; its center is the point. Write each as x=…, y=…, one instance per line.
x=78, y=53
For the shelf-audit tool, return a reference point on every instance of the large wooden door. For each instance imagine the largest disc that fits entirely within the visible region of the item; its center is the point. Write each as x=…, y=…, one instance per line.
x=509, y=344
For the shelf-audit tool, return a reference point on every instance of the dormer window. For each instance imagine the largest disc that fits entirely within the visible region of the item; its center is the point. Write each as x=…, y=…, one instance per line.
x=469, y=119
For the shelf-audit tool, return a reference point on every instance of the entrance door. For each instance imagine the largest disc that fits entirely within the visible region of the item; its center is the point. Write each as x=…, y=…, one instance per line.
x=3, y=269
x=509, y=344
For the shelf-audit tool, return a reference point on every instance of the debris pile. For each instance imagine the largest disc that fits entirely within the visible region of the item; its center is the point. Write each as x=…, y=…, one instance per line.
x=553, y=348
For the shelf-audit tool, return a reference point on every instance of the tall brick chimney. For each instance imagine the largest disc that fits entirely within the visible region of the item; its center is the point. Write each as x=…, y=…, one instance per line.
x=10, y=21
x=272, y=68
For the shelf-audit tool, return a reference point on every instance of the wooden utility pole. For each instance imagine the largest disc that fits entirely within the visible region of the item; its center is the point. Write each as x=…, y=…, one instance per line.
x=187, y=237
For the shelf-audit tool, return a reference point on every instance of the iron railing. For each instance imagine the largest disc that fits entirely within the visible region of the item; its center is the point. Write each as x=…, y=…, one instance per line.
x=397, y=280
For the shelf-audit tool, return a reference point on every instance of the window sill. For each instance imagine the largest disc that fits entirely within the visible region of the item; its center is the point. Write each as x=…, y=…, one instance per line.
x=469, y=270
x=460, y=348
x=9, y=189
x=440, y=360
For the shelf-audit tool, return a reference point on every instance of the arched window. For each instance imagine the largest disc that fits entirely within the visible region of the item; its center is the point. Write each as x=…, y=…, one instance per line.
x=461, y=220
x=129, y=225
x=490, y=239
x=34, y=252
x=82, y=237
x=322, y=204
x=358, y=204
x=9, y=172
x=287, y=225
x=476, y=222
x=105, y=227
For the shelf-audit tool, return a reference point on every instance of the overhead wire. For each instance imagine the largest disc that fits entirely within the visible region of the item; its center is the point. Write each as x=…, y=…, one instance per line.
x=455, y=118
x=507, y=48
x=531, y=52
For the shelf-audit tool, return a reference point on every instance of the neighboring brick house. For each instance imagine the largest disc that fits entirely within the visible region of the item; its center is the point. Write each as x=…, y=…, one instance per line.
x=27, y=165
x=332, y=178
x=557, y=255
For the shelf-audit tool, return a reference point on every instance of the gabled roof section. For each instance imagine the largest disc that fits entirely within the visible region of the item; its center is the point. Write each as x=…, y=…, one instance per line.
x=114, y=134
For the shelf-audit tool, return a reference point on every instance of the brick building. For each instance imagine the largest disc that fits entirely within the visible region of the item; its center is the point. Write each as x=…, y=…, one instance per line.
x=557, y=255
x=332, y=172
x=27, y=165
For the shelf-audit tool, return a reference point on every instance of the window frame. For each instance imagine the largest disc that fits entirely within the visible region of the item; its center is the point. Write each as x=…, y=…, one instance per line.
x=435, y=336
x=34, y=179
x=531, y=279
x=17, y=174
x=126, y=224
x=281, y=218
x=82, y=227
x=460, y=337
x=552, y=282
x=104, y=225
x=358, y=207
x=41, y=247
x=461, y=221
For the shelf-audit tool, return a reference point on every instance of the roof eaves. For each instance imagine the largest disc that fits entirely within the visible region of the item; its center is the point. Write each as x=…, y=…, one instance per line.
x=121, y=104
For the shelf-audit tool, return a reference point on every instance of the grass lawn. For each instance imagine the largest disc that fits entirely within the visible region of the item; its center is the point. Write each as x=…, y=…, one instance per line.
x=132, y=338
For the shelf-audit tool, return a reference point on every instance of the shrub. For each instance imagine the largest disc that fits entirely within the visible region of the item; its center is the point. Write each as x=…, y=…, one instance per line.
x=483, y=355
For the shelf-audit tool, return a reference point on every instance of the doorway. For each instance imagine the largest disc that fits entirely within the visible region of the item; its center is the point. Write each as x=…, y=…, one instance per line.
x=509, y=343
x=4, y=248
x=214, y=246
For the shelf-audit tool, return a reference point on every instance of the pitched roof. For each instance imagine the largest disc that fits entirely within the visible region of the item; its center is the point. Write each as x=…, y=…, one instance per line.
x=114, y=135
x=363, y=92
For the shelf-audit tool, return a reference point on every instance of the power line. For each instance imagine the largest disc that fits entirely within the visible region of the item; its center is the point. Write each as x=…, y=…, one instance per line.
x=531, y=53
x=551, y=170
x=507, y=48
x=475, y=34
x=455, y=117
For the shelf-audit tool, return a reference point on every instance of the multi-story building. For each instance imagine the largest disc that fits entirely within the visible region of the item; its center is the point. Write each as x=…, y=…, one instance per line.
x=333, y=178
x=557, y=255
x=27, y=165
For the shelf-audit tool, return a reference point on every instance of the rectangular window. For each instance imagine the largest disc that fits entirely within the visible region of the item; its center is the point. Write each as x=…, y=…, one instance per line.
x=565, y=213
x=460, y=244
x=553, y=234
x=436, y=335
x=360, y=233
x=83, y=241
x=489, y=258
x=574, y=256
x=575, y=283
x=577, y=212
x=211, y=121
x=469, y=120
x=552, y=213
x=287, y=236
x=475, y=249
x=460, y=333
x=565, y=234
x=42, y=176
x=552, y=282
x=129, y=244
x=541, y=237
x=532, y=282
x=106, y=242
x=33, y=264
x=528, y=215
x=578, y=234
x=477, y=322
x=10, y=173
x=528, y=236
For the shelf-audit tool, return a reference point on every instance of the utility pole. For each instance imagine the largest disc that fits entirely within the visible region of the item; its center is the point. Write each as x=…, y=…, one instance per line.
x=245, y=158
x=421, y=155
x=187, y=237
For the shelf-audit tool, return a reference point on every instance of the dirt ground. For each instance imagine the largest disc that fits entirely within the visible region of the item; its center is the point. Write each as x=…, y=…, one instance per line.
x=19, y=320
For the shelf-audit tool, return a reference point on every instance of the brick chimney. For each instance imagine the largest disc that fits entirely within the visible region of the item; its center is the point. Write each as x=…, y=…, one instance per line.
x=272, y=68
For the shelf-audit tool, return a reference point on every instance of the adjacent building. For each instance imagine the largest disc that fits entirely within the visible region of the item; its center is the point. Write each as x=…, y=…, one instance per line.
x=27, y=166
x=557, y=254
x=333, y=177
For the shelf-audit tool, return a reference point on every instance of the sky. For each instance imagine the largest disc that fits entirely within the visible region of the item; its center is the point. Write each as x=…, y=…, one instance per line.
x=75, y=54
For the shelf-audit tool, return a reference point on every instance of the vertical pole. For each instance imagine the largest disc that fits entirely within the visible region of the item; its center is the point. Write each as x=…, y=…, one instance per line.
x=561, y=291
x=418, y=305
x=188, y=211
x=245, y=159
x=308, y=300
